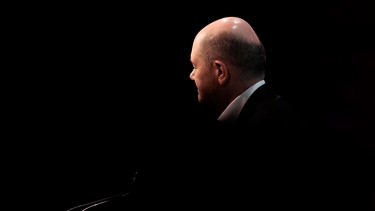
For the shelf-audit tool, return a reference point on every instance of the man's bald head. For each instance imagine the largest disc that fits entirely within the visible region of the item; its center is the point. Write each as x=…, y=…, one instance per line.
x=231, y=25
x=232, y=40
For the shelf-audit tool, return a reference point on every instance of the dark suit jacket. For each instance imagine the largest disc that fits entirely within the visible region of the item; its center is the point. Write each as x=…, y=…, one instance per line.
x=267, y=153
x=267, y=115
x=274, y=156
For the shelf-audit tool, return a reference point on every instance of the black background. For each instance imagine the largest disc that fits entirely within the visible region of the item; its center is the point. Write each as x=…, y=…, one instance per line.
x=105, y=89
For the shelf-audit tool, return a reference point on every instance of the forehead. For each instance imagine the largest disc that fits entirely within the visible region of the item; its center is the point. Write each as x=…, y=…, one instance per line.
x=195, y=50
x=194, y=58
x=197, y=41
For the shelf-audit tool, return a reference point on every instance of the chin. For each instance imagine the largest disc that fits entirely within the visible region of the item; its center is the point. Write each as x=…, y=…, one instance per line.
x=202, y=101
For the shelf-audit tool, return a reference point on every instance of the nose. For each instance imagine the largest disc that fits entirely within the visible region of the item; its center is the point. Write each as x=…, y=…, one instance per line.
x=192, y=74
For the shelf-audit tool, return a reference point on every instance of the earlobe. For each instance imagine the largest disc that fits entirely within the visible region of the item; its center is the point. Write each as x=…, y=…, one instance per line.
x=222, y=72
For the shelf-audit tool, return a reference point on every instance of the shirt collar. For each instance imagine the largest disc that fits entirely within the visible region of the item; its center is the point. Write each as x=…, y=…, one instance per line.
x=232, y=111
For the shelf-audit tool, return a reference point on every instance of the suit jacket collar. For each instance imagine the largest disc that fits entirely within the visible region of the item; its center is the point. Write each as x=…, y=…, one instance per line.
x=260, y=96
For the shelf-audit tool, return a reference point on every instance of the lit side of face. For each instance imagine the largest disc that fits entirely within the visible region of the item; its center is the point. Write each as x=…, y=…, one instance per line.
x=202, y=74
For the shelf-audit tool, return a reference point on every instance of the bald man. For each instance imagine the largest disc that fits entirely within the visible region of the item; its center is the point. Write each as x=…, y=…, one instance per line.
x=229, y=65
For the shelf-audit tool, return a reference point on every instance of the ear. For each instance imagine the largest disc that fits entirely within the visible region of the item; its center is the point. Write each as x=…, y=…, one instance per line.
x=222, y=72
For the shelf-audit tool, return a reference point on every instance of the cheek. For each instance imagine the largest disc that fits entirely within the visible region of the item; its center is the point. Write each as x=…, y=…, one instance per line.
x=205, y=83
x=200, y=79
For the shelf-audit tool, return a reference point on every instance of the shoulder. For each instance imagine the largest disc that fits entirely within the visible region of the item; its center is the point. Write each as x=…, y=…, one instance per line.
x=266, y=106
